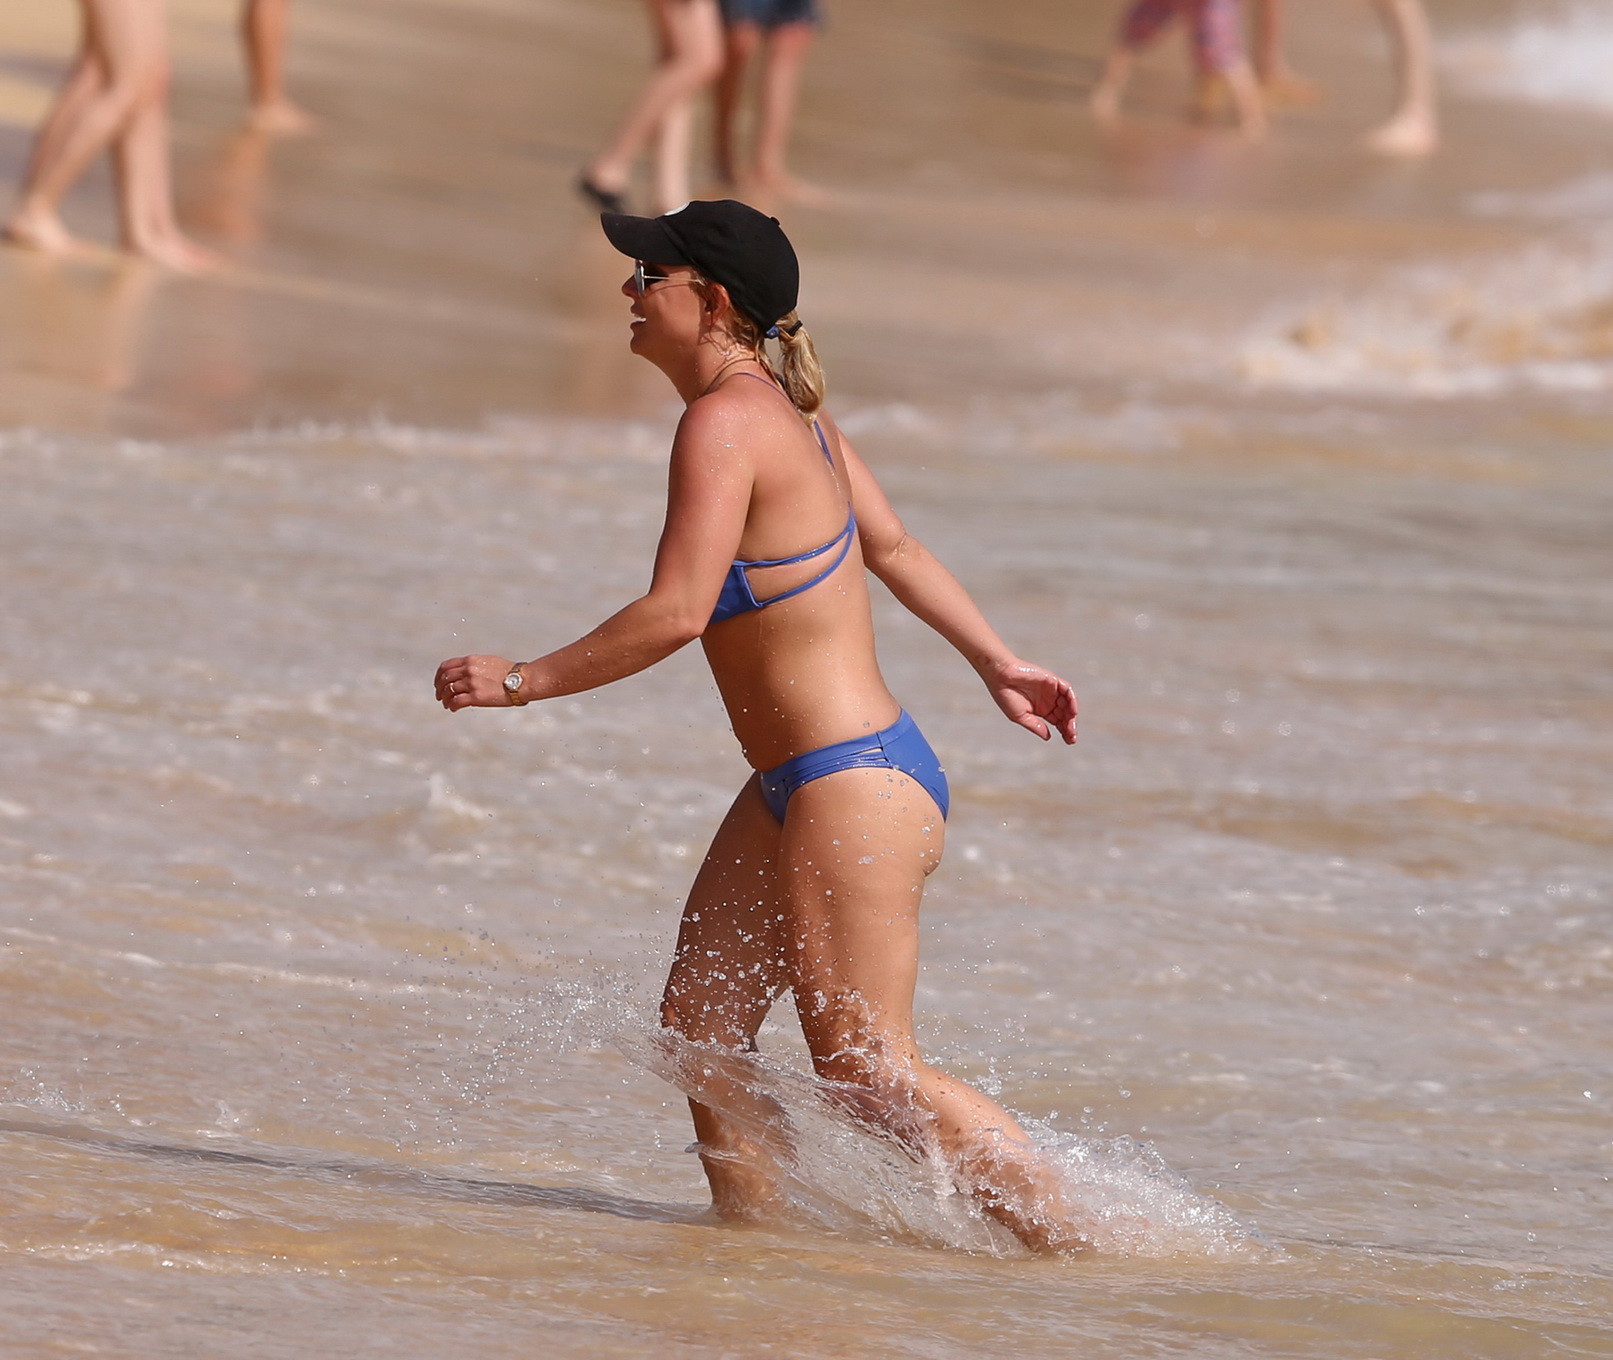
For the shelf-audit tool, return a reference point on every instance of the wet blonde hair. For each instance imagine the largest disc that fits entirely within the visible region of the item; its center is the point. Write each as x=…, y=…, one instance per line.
x=798, y=372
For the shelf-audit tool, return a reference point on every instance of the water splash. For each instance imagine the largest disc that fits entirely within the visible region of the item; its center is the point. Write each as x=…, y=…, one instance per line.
x=835, y=1173
x=843, y=1176
x=443, y=800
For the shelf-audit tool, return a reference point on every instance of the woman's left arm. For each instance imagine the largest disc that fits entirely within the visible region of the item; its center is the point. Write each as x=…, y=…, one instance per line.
x=1028, y=694
x=708, y=498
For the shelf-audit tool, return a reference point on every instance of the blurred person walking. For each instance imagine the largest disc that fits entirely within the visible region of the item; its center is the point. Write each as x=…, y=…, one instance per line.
x=1218, y=56
x=115, y=97
x=1413, y=127
x=264, y=28
x=690, y=40
x=782, y=32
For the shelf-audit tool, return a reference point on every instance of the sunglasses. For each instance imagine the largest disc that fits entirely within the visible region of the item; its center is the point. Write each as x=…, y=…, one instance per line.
x=644, y=277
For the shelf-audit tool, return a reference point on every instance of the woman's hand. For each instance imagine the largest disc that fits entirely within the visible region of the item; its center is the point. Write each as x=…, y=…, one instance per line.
x=473, y=682
x=1037, y=700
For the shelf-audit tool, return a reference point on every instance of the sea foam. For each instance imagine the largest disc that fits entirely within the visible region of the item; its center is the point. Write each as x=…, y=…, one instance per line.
x=1540, y=318
x=1561, y=57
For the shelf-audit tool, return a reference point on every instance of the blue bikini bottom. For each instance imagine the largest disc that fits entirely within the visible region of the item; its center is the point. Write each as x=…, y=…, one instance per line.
x=901, y=746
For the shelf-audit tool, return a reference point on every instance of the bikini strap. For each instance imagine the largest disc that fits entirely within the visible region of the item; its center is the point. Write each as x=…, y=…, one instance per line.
x=807, y=556
x=817, y=425
x=817, y=429
x=844, y=538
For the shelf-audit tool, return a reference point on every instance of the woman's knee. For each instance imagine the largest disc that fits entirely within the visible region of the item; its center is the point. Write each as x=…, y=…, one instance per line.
x=673, y=1020
x=868, y=1069
x=705, y=1019
x=846, y=1043
x=685, y=1020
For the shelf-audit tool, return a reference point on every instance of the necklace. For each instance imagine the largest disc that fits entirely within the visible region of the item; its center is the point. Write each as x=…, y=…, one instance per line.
x=732, y=363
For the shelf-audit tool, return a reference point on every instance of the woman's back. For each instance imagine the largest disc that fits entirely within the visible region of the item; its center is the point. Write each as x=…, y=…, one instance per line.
x=796, y=672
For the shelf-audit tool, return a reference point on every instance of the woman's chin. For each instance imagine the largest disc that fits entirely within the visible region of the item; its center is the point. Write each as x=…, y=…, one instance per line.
x=645, y=347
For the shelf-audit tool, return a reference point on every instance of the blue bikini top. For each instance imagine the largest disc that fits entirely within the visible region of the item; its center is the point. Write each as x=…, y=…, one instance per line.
x=737, y=596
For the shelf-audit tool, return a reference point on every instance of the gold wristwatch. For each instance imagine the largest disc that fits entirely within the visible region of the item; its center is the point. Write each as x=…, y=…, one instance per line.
x=512, y=686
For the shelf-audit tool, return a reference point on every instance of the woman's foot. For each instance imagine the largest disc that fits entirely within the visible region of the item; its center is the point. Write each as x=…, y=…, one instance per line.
x=1412, y=132
x=1019, y=1188
x=743, y=1190
x=39, y=229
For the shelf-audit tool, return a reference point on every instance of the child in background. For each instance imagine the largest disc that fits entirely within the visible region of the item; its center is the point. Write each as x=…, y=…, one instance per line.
x=782, y=30
x=1217, y=34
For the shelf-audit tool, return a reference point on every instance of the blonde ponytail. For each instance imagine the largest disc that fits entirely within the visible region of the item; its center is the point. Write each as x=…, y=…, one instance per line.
x=802, y=378
x=798, y=371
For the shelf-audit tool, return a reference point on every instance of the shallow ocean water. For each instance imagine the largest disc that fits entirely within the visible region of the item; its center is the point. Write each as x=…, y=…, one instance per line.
x=326, y=1016
x=325, y=997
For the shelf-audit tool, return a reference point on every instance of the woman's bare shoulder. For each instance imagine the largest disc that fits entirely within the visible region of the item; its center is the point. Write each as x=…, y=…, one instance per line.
x=749, y=412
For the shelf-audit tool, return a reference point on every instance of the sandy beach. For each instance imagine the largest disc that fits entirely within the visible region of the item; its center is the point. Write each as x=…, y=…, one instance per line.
x=328, y=1018
x=426, y=259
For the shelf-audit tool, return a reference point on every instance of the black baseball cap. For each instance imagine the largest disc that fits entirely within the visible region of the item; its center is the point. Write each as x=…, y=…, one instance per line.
x=729, y=242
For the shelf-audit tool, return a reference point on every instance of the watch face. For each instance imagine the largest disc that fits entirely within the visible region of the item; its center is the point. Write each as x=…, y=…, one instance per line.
x=512, y=681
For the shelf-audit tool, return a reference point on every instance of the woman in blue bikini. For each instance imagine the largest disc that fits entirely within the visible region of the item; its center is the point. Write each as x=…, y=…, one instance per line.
x=813, y=881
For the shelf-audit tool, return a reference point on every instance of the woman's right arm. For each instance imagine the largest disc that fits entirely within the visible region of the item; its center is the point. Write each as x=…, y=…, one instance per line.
x=1029, y=695
x=708, y=498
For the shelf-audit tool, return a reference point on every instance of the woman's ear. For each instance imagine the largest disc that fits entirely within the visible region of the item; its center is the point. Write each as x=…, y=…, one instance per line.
x=718, y=303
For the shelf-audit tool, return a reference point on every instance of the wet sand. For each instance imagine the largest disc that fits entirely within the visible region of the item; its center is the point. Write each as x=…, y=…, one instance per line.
x=326, y=1015
x=425, y=257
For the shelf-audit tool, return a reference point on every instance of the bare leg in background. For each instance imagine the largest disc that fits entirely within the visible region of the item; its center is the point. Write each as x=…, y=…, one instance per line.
x=264, y=25
x=691, y=57
x=784, y=55
x=115, y=97
x=1413, y=128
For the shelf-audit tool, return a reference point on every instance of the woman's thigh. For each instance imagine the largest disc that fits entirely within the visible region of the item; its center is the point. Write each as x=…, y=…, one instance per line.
x=730, y=963
x=857, y=847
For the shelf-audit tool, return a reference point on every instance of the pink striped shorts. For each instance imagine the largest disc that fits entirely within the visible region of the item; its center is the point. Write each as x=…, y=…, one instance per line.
x=1217, y=28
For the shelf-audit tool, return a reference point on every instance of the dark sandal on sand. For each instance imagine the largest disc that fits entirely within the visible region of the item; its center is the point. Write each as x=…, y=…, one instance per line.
x=605, y=200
